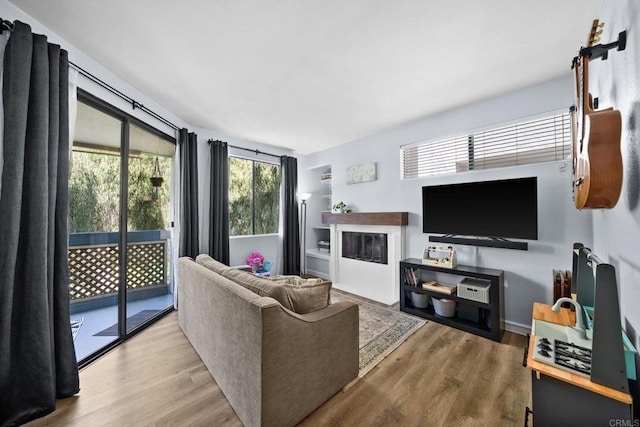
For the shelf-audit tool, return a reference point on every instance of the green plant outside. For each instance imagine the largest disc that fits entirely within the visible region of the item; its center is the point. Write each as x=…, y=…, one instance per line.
x=94, y=193
x=243, y=197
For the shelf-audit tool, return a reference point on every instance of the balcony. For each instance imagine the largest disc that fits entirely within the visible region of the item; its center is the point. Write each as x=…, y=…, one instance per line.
x=94, y=282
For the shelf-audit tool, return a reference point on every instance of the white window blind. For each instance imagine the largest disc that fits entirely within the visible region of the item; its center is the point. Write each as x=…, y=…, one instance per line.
x=534, y=141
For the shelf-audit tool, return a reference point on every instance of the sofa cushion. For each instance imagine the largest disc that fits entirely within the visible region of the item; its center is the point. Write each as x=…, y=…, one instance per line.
x=294, y=293
x=212, y=264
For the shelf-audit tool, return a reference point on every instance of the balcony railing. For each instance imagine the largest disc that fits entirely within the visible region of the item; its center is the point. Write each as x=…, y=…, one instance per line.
x=94, y=262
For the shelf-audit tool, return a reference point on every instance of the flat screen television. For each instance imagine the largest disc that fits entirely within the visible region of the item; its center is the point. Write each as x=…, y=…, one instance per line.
x=496, y=209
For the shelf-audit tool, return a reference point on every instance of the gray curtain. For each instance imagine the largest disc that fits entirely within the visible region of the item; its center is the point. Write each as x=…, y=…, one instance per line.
x=291, y=225
x=219, y=202
x=37, y=357
x=188, y=148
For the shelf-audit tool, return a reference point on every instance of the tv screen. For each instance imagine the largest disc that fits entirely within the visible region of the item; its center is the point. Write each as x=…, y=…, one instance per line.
x=503, y=209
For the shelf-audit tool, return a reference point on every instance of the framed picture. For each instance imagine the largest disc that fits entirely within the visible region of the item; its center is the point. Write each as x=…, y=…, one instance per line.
x=361, y=173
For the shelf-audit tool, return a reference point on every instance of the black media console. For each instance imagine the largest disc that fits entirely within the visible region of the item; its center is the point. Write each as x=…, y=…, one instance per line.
x=483, y=319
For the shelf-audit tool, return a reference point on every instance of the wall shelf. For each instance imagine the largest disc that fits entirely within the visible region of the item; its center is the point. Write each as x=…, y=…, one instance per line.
x=317, y=259
x=317, y=253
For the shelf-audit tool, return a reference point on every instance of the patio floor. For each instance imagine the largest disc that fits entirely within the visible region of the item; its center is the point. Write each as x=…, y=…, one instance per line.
x=94, y=321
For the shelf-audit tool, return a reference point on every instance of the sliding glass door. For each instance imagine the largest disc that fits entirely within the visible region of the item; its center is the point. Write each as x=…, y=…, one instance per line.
x=94, y=226
x=119, y=249
x=149, y=244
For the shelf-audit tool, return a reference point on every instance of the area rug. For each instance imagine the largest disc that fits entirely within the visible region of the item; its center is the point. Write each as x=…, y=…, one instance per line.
x=75, y=326
x=382, y=330
x=132, y=322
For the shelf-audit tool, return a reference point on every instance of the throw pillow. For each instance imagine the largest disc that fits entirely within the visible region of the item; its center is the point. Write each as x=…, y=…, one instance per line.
x=309, y=297
x=306, y=295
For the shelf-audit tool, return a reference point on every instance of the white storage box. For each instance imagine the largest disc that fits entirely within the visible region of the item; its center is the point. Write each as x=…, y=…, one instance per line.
x=444, y=307
x=474, y=289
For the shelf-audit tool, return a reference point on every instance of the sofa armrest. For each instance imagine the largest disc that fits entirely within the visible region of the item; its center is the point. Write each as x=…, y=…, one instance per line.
x=312, y=355
x=325, y=313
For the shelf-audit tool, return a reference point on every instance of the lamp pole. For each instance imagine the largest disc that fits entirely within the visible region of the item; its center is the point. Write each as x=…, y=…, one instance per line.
x=303, y=208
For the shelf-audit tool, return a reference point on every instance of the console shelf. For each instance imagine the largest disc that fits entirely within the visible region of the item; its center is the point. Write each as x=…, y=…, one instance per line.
x=487, y=319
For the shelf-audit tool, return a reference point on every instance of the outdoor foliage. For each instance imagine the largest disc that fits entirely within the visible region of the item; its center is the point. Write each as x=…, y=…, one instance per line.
x=148, y=206
x=243, y=197
x=94, y=193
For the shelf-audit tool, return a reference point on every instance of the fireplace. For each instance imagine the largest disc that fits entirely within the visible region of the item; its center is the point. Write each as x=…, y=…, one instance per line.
x=368, y=247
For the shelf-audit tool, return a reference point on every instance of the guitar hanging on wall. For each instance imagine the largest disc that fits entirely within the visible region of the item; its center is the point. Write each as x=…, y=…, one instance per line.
x=597, y=160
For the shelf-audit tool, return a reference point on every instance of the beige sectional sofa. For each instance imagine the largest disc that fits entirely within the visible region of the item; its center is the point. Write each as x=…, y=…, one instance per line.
x=275, y=366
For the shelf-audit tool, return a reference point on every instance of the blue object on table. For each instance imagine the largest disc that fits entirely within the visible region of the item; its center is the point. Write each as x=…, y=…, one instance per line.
x=265, y=270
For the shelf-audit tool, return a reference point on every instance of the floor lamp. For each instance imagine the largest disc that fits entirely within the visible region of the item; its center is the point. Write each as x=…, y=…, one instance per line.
x=303, y=228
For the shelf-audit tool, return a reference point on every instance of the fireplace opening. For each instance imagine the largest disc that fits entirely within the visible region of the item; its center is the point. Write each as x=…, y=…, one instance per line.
x=369, y=247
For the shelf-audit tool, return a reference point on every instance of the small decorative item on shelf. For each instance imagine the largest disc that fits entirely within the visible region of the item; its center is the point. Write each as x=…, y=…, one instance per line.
x=341, y=207
x=326, y=177
x=443, y=288
x=440, y=257
x=324, y=245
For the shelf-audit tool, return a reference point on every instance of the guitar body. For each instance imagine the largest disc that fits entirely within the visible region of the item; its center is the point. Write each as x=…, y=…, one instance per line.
x=599, y=161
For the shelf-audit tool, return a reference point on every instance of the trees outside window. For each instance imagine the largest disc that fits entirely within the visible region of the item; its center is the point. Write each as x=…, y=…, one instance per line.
x=94, y=193
x=254, y=197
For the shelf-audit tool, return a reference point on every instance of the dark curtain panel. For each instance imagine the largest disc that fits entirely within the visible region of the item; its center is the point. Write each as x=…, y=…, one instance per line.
x=37, y=357
x=291, y=225
x=188, y=146
x=219, y=202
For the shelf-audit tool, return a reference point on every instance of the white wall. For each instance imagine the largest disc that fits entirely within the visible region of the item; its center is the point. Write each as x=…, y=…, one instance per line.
x=528, y=275
x=616, y=82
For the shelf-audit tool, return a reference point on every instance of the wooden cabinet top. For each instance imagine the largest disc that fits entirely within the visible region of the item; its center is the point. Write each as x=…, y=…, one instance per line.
x=566, y=317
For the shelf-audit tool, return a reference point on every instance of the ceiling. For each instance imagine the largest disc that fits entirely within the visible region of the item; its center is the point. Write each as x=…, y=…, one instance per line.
x=311, y=74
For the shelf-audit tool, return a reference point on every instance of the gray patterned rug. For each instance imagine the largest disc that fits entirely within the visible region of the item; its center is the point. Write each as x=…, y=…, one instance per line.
x=382, y=330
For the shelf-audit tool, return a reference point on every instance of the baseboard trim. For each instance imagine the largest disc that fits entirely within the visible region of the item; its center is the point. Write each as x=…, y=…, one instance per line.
x=517, y=328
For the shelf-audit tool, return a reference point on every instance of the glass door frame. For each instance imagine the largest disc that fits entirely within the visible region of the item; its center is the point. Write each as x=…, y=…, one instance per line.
x=127, y=120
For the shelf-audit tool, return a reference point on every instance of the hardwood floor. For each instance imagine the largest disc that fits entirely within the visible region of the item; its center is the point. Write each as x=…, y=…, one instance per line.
x=439, y=377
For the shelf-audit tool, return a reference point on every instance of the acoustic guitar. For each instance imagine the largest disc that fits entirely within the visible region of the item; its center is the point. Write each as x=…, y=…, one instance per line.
x=597, y=160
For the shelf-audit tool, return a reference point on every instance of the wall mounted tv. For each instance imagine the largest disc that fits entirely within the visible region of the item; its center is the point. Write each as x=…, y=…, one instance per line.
x=489, y=211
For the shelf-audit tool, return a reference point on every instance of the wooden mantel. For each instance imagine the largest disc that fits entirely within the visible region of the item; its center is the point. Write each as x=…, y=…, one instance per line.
x=367, y=218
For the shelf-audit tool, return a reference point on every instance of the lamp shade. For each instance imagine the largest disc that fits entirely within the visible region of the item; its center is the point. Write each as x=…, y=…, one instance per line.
x=304, y=196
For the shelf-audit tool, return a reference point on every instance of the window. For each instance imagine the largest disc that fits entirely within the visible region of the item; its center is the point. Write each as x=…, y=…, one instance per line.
x=534, y=141
x=254, y=197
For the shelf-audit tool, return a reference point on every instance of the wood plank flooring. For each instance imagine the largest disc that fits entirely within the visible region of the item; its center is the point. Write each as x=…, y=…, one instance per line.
x=439, y=377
